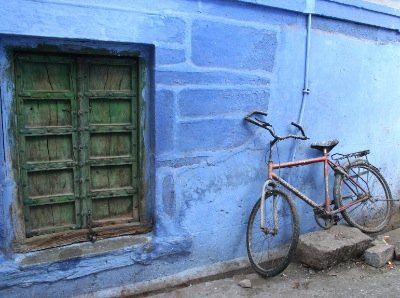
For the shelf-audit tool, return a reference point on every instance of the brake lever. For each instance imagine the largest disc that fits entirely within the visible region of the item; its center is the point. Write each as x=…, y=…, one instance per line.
x=263, y=122
x=256, y=113
x=301, y=130
x=259, y=113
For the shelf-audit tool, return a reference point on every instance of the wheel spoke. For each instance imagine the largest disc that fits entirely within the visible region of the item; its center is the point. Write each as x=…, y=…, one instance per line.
x=373, y=213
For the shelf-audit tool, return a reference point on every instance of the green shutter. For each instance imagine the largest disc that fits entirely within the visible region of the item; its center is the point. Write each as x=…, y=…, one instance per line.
x=110, y=95
x=78, y=140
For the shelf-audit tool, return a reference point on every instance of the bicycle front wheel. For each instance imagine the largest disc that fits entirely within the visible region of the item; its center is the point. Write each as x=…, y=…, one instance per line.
x=270, y=250
x=372, y=214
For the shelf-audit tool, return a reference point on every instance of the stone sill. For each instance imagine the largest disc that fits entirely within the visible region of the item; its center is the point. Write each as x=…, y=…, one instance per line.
x=84, y=259
x=79, y=250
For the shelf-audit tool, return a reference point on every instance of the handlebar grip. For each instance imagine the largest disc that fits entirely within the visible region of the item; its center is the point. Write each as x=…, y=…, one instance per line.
x=297, y=125
x=301, y=129
x=260, y=113
x=256, y=113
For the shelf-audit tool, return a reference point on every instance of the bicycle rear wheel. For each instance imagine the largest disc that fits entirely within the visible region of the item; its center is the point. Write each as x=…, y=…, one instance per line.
x=373, y=214
x=271, y=252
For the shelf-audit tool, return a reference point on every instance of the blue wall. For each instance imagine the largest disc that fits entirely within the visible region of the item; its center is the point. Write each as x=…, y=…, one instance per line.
x=214, y=61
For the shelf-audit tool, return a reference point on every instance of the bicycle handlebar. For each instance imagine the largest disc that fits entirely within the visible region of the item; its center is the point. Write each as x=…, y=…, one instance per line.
x=254, y=120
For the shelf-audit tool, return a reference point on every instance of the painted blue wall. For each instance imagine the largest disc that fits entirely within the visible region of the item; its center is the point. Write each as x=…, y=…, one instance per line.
x=214, y=61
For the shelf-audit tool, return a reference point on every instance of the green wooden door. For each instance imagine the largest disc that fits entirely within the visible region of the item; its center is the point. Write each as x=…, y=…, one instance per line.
x=111, y=136
x=78, y=141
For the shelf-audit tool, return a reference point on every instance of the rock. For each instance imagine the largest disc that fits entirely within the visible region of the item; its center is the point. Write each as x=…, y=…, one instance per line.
x=378, y=255
x=397, y=250
x=378, y=241
x=323, y=249
x=245, y=283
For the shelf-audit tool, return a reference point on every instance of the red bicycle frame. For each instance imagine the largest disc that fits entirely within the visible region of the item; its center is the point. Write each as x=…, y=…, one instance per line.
x=327, y=163
x=325, y=209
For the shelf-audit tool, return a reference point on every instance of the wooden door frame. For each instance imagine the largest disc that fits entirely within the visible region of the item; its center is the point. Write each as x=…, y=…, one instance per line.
x=21, y=243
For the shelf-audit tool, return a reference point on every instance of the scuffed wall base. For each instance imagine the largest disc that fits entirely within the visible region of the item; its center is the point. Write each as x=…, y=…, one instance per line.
x=208, y=272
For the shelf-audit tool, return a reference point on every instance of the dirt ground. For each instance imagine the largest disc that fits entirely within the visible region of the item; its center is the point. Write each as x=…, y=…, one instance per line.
x=350, y=279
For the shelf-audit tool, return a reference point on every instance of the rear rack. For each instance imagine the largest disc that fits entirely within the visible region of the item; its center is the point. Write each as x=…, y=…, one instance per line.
x=339, y=156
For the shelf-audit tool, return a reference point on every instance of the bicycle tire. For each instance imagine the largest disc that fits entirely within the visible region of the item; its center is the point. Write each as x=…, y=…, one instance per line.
x=374, y=214
x=273, y=259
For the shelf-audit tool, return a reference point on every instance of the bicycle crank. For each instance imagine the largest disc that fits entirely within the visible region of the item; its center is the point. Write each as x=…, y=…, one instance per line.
x=324, y=220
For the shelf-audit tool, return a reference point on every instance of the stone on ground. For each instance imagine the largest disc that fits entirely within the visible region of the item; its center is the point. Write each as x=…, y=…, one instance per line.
x=323, y=249
x=245, y=283
x=393, y=238
x=397, y=250
x=379, y=255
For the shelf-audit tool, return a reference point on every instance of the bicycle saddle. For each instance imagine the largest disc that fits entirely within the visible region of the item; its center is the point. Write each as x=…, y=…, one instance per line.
x=328, y=145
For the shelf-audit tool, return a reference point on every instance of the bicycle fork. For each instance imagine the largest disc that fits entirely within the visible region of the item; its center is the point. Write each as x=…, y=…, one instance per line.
x=263, y=227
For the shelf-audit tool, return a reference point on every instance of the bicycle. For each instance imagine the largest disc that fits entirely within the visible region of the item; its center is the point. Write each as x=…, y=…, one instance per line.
x=273, y=226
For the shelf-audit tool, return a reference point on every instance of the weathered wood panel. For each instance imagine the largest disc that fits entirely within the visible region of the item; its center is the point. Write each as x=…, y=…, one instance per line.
x=110, y=77
x=111, y=177
x=107, y=111
x=111, y=145
x=43, y=113
x=45, y=76
x=49, y=148
x=77, y=125
x=55, y=182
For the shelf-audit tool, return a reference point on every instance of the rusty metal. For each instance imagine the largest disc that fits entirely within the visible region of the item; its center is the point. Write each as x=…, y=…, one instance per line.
x=294, y=190
x=323, y=211
x=326, y=207
x=298, y=163
x=326, y=181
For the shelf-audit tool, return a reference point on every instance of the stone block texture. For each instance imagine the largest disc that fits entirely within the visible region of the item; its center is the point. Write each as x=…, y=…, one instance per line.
x=323, y=249
x=169, y=56
x=213, y=134
x=204, y=103
x=242, y=47
x=379, y=255
x=165, y=118
x=216, y=78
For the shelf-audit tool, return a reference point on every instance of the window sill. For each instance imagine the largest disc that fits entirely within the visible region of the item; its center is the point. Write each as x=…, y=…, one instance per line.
x=79, y=250
x=70, y=237
x=84, y=259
